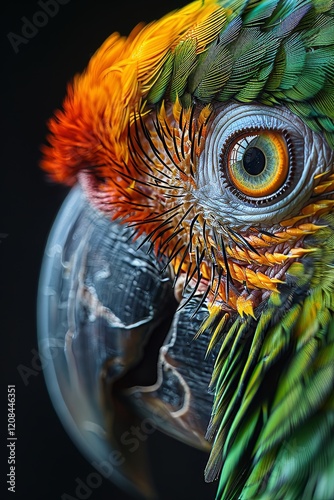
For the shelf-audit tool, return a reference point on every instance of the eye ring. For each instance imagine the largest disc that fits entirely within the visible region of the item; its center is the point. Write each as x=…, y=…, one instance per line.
x=257, y=163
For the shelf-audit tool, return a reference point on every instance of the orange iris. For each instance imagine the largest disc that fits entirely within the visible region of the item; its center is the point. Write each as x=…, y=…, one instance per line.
x=258, y=163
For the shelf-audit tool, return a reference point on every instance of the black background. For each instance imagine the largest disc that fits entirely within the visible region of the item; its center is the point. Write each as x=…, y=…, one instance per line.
x=33, y=83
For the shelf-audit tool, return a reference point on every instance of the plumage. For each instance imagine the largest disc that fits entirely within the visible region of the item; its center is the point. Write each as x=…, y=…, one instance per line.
x=154, y=130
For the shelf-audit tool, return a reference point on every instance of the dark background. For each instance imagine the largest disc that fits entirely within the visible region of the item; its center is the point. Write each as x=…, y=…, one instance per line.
x=33, y=83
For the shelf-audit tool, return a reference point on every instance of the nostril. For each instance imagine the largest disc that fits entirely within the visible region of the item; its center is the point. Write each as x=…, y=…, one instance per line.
x=90, y=184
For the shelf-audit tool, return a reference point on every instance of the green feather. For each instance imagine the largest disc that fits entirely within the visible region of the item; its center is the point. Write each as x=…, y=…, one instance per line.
x=312, y=78
x=295, y=408
x=159, y=87
x=293, y=55
x=245, y=67
x=184, y=63
x=322, y=33
x=212, y=72
x=257, y=13
x=285, y=10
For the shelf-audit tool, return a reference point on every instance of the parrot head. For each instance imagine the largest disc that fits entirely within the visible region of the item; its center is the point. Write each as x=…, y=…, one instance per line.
x=211, y=133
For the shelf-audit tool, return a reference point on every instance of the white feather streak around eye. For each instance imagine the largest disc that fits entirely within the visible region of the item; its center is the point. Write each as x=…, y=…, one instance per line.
x=309, y=156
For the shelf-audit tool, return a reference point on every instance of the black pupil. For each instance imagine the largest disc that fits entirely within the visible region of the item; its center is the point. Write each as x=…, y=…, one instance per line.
x=254, y=161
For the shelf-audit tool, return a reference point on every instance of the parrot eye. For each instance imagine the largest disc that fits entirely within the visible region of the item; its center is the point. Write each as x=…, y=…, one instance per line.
x=258, y=163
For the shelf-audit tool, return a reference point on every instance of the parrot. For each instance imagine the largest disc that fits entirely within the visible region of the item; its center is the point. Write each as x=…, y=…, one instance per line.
x=205, y=140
